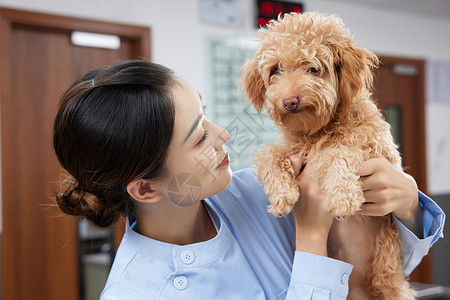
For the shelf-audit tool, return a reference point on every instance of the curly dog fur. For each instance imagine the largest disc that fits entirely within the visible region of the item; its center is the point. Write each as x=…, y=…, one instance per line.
x=316, y=85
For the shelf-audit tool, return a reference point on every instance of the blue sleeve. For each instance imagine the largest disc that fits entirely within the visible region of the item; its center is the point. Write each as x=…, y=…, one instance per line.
x=433, y=225
x=318, y=277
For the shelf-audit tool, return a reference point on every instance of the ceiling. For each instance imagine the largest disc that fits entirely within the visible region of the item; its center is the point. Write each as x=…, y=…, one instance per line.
x=429, y=8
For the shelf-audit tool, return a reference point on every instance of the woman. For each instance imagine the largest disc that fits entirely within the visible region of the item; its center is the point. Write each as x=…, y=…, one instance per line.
x=135, y=139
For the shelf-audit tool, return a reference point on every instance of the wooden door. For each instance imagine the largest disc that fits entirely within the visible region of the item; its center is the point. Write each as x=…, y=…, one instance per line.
x=38, y=62
x=400, y=93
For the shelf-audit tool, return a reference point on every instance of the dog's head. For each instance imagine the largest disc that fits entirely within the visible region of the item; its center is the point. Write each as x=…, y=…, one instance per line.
x=306, y=71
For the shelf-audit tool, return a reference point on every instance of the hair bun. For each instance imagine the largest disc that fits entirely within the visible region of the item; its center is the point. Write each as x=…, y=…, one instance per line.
x=76, y=201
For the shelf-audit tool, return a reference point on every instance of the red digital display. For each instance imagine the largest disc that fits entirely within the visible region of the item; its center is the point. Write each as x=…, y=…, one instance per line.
x=268, y=10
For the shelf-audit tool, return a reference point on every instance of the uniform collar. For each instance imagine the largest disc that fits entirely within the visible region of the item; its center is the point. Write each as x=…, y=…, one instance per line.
x=187, y=256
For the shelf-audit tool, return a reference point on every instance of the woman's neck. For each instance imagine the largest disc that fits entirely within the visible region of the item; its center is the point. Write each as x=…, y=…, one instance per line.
x=165, y=222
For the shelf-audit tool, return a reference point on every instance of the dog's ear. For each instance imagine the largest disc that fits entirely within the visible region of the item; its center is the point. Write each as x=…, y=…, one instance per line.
x=253, y=84
x=354, y=66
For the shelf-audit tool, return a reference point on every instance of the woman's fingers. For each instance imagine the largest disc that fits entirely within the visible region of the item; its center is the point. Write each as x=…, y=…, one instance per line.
x=298, y=162
x=368, y=167
x=375, y=181
x=375, y=174
x=375, y=208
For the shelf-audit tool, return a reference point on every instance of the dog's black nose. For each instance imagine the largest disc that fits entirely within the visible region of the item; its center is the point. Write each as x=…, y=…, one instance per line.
x=291, y=104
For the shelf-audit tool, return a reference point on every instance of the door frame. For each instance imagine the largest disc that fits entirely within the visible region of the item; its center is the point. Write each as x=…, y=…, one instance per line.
x=419, y=149
x=415, y=162
x=139, y=36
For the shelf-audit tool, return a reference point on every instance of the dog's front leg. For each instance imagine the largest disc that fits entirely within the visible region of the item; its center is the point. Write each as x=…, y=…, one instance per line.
x=274, y=170
x=335, y=171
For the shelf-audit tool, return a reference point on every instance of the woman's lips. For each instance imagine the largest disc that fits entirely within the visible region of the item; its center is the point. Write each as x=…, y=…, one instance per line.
x=225, y=161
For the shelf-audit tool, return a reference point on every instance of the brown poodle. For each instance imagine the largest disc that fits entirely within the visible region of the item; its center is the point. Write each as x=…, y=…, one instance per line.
x=316, y=85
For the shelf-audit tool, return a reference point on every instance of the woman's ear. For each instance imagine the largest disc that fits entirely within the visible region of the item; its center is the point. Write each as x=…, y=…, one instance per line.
x=144, y=191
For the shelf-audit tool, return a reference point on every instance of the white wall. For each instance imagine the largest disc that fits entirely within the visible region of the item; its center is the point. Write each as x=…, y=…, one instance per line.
x=178, y=36
x=393, y=33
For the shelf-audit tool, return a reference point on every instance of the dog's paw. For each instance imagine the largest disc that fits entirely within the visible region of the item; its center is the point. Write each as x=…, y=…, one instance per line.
x=343, y=205
x=281, y=205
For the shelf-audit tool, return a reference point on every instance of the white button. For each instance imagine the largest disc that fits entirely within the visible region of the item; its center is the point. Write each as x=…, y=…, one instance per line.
x=188, y=257
x=180, y=282
x=344, y=279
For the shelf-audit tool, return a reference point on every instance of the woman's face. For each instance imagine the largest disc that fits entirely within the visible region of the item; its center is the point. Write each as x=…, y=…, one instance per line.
x=197, y=161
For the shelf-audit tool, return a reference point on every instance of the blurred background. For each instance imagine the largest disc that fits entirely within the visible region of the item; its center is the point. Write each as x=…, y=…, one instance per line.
x=44, y=47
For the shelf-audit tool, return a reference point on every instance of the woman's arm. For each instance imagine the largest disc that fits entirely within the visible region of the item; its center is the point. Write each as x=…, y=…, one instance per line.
x=419, y=220
x=312, y=222
x=314, y=275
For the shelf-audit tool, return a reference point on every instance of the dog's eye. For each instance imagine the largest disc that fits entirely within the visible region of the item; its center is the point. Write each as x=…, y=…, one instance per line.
x=313, y=70
x=275, y=71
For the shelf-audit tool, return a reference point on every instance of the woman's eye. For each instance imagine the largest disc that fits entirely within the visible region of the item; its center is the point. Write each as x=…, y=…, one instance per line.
x=205, y=135
x=313, y=70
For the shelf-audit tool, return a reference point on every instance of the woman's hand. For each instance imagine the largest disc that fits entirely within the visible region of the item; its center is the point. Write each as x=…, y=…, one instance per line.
x=312, y=221
x=387, y=189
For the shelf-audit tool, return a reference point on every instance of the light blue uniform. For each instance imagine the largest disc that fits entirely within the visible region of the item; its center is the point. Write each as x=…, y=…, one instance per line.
x=252, y=257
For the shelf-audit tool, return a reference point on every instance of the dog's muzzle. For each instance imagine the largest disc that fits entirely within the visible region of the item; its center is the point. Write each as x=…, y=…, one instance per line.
x=291, y=104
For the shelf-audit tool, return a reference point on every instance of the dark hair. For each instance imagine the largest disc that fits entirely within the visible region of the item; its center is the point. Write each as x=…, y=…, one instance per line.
x=113, y=125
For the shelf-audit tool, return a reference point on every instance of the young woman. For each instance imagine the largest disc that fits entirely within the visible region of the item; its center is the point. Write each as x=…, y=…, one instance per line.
x=135, y=139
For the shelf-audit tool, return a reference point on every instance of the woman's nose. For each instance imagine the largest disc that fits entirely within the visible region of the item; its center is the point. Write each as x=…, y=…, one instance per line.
x=221, y=136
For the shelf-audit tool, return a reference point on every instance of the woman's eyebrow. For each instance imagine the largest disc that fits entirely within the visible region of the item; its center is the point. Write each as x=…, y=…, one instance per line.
x=194, y=125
